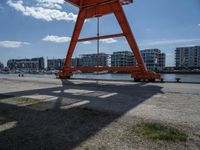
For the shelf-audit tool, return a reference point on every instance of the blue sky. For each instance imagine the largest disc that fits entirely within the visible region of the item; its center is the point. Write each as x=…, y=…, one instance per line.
x=33, y=28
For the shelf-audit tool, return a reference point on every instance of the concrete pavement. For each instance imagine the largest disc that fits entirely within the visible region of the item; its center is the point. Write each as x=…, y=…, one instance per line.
x=177, y=103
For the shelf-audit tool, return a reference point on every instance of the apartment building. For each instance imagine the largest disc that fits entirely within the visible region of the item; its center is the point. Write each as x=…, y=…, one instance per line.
x=55, y=64
x=154, y=59
x=122, y=58
x=26, y=64
x=1, y=65
x=187, y=57
x=93, y=60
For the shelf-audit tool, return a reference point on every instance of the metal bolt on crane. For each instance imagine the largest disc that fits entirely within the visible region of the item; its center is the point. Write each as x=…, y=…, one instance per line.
x=99, y=8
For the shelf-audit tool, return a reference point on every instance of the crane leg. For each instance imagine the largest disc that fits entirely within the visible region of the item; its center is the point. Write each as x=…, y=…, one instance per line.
x=65, y=72
x=123, y=22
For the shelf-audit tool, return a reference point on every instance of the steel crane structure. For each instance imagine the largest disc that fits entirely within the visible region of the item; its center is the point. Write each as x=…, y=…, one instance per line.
x=99, y=8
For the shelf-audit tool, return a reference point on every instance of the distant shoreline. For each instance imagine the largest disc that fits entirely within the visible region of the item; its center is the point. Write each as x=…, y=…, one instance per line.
x=162, y=72
x=175, y=72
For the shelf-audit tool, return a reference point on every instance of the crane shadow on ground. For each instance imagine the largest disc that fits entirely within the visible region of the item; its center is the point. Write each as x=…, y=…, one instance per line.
x=74, y=113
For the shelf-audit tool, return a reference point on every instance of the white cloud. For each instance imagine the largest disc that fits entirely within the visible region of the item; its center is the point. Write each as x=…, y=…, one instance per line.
x=199, y=25
x=42, y=13
x=108, y=41
x=190, y=45
x=56, y=39
x=12, y=44
x=60, y=39
x=57, y=4
x=169, y=54
x=51, y=1
x=167, y=42
x=50, y=5
x=86, y=42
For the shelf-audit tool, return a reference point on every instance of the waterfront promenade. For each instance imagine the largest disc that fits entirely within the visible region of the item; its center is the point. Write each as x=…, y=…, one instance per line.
x=171, y=103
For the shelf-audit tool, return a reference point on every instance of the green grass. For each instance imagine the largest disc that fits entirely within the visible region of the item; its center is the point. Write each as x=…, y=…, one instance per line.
x=157, y=131
x=21, y=100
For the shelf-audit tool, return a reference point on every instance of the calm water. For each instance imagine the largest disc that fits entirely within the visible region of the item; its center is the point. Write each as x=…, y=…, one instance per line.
x=166, y=77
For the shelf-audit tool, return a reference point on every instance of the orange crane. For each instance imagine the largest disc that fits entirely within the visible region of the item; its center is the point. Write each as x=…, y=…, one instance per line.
x=98, y=8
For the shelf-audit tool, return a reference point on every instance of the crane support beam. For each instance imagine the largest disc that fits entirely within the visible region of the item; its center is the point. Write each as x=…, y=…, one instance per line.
x=123, y=22
x=90, y=3
x=92, y=69
x=101, y=37
x=75, y=36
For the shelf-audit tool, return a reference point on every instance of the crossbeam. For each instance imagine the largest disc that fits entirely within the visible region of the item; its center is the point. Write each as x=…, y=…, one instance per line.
x=101, y=37
x=92, y=69
x=89, y=3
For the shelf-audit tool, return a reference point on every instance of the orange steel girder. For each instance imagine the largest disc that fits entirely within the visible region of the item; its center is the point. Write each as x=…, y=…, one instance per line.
x=97, y=8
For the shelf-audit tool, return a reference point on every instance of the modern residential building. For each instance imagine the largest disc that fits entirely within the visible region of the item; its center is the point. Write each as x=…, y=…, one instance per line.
x=33, y=64
x=122, y=58
x=86, y=60
x=55, y=64
x=154, y=59
x=93, y=60
x=75, y=62
x=161, y=61
x=1, y=65
x=187, y=57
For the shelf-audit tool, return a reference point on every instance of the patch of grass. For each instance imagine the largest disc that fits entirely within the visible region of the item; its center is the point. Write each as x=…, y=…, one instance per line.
x=198, y=135
x=23, y=100
x=17, y=100
x=157, y=131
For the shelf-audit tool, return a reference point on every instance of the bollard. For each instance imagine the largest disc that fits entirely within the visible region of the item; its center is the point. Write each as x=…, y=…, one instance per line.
x=178, y=80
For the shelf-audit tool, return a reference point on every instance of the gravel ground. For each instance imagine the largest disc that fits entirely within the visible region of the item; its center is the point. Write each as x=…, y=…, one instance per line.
x=54, y=114
x=76, y=128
